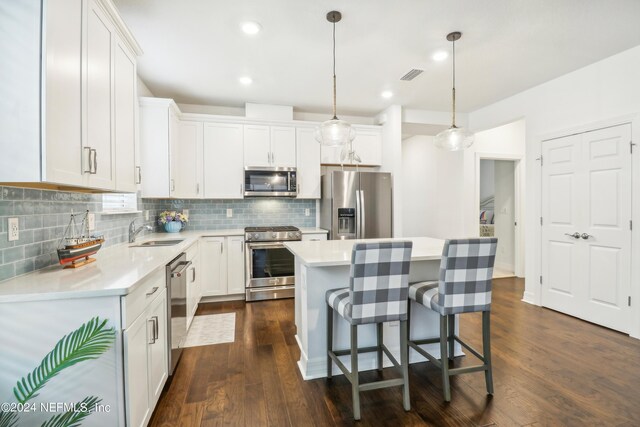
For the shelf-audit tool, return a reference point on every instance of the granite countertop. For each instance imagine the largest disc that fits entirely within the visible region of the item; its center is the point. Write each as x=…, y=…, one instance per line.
x=328, y=253
x=117, y=270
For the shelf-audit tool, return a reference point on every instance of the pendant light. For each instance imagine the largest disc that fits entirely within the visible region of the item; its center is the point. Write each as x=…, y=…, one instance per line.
x=454, y=138
x=334, y=132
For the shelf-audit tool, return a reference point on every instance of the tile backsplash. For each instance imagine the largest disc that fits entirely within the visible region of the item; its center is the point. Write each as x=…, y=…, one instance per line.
x=44, y=214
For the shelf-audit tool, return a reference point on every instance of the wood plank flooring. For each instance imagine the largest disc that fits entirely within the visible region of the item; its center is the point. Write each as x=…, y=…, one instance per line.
x=549, y=369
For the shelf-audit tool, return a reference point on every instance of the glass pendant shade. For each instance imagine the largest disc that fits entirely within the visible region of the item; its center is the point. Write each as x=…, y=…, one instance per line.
x=335, y=132
x=454, y=139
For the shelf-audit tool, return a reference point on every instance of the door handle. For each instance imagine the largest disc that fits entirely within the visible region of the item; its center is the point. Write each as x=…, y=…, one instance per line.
x=575, y=235
x=358, y=219
x=185, y=266
x=586, y=236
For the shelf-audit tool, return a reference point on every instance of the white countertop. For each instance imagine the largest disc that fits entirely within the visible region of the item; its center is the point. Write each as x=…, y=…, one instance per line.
x=117, y=270
x=338, y=252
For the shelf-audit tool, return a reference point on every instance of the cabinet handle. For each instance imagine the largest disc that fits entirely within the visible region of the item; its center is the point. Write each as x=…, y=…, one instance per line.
x=240, y=189
x=197, y=188
x=139, y=175
x=193, y=279
x=95, y=161
x=88, y=160
x=156, y=332
x=221, y=247
x=153, y=331
x=173, y=185
x=268, y=157
x=153, y=291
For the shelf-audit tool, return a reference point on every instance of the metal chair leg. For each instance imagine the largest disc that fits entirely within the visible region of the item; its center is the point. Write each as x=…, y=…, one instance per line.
x=486, y=350
x=452, y=330
x=380, y=341
x=404, y=362
x=329, y=340
x=446, y=389
x=355, y=385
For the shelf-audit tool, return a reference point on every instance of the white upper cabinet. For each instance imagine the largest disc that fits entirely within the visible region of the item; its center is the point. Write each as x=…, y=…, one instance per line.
x=159, y=125
x=269, y=146
x=187, y=167
x=223, y=160
x=367, y=145
x=77, y=117
x=126, y=105
x=174, y=150
x=308, y=161
x=283, y=146
x=98, y=144
x=257, y=145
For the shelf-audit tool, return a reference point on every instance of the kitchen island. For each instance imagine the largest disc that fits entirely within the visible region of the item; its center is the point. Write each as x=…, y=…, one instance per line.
x=324, y=265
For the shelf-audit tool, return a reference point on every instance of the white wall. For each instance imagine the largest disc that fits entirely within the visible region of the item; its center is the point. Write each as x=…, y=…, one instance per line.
x=606, y=90
x=391, y=121
x=143, y=89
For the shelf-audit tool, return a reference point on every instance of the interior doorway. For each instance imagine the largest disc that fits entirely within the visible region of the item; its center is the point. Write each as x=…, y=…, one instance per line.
x=497, y=208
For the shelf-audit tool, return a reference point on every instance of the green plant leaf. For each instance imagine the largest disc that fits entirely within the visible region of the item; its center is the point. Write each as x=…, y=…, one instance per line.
x=8, y=419
x=73, y=418
x=87, y=342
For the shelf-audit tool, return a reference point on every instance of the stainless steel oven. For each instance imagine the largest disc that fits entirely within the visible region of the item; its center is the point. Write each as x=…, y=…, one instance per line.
x=270, y=267
x=270, y=182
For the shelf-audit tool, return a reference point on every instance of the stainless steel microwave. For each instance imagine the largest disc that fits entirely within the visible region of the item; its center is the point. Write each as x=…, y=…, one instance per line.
x=270, y=182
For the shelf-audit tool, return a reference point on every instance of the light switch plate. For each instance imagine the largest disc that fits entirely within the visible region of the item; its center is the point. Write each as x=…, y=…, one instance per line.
x=229, y=213
x=91, y=219
x=307, y=212
x=13, y=228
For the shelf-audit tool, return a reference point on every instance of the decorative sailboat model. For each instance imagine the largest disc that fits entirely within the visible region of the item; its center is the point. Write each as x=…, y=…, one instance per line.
x=77, y=245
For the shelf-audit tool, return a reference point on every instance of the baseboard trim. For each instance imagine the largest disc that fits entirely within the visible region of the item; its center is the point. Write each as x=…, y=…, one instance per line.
x=529, y=298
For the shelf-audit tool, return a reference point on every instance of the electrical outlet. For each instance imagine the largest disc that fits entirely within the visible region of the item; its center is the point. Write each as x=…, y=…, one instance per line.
x=91, y=219
x=185, y=211
x=13, y=226
x=146, y=215
x=307, y=212
x=229, y=213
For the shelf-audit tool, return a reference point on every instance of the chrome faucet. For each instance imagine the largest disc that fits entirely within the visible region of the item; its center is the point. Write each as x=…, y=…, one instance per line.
x=133, y=231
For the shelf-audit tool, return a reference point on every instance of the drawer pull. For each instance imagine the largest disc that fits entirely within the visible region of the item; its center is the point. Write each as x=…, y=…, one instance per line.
x=153, y=291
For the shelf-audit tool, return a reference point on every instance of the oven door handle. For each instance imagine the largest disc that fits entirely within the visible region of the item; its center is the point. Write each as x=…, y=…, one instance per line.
x=265, y=245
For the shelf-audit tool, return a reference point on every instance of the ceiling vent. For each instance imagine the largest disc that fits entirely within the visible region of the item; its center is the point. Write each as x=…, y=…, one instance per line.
x=412, y=74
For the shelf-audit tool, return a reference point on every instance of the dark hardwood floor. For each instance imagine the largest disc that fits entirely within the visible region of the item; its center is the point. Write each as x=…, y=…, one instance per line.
x=549, y=369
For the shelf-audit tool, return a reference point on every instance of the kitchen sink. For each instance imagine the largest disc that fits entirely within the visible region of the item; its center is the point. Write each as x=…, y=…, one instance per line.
x=153, y=243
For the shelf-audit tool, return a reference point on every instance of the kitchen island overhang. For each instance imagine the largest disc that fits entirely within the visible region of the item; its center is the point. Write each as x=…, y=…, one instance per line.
x=324, y=265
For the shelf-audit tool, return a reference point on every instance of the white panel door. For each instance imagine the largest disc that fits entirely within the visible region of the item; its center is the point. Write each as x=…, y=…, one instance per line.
x=283, y=146
x=562, y=220
x=257, y=147
x=586, y=240
x=157, y=362
x=214, y=266
x=308, y=164
x=235, y=265
x=607, y=241
x=125, y=101
x=223, y=165
x=136, y=374
x=98, y=84
x=188, y=160
x=63, y=92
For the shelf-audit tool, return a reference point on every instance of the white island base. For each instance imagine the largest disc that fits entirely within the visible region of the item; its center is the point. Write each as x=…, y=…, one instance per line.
x=324, y=265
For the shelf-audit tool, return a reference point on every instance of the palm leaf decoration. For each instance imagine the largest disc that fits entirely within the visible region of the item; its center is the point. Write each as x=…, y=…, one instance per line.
x=87, y=342
x=73, y=418
x=8, y=419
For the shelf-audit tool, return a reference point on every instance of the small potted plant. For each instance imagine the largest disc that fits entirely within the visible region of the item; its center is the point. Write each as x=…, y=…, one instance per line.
x=172, y=221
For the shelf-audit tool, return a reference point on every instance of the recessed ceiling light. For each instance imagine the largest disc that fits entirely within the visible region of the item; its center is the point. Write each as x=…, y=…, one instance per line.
x=440, y=55
x=386, y=94
x=251, y=27
x=245, y=80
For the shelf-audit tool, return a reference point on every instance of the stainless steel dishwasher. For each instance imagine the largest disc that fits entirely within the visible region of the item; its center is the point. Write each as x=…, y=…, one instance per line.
x=176, y=307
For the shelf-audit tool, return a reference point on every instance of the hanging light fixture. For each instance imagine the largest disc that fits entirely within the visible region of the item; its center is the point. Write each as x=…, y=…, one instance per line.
x=454, y=138
x=334, y=132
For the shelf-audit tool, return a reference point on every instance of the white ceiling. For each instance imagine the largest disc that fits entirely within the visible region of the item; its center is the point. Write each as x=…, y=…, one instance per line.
x=195, y=51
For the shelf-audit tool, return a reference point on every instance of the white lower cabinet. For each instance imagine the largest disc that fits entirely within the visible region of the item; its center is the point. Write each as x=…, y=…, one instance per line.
x=222, y=260
x=145, y=353
x=235, y=265
x=314, y=236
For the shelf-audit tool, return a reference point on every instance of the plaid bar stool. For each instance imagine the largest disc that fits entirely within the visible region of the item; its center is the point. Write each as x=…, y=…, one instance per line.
x=464, y=286
x=377, y=293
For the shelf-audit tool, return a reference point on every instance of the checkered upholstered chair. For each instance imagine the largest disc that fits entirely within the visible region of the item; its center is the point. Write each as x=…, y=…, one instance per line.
x=377, y=293
x=464, y=286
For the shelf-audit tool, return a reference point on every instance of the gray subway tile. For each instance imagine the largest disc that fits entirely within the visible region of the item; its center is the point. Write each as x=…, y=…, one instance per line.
x=24, y=266
x=13, y=254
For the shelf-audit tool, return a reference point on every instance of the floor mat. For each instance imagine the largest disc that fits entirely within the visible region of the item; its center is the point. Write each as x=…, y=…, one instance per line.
x=211, y=329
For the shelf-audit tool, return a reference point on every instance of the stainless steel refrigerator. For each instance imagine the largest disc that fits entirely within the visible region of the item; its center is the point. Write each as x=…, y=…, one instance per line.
x=356, y=205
